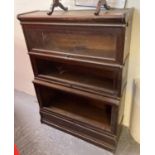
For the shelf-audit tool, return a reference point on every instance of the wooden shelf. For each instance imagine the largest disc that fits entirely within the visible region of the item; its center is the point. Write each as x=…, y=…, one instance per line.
x=82, y=110
x=76, y=76
x=81, y=82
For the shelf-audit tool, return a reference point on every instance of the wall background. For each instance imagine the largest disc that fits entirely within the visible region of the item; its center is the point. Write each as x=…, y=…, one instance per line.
x=23, y=71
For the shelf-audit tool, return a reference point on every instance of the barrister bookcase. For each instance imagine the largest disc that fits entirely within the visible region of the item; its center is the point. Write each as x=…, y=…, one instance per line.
x=80, y=66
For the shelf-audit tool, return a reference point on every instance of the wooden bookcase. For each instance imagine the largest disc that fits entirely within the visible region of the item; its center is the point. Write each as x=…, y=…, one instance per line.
x=80, y=66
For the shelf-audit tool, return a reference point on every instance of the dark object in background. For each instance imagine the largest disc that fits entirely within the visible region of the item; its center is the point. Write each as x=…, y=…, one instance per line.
x=56, y=3
x=100, y=4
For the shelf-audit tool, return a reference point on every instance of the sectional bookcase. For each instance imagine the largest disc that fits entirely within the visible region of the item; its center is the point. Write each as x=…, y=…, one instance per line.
x=80, y=66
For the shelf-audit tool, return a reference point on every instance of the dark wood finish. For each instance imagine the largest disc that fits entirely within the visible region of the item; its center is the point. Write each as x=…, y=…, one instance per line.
x=115, y=16
x=76, y=107
x=53, y=84
x=80, y=66
x=73, y=33
x=77, y=41
x=105, y=80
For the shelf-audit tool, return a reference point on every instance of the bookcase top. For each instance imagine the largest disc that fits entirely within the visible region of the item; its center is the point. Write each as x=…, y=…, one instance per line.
x=111, y=16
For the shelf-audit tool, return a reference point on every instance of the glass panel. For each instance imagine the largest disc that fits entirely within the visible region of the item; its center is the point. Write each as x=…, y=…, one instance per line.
x=85, y=78
x=88, y=42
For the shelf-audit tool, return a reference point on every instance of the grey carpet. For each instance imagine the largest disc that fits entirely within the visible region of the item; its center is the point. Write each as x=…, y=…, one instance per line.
x=34, y=138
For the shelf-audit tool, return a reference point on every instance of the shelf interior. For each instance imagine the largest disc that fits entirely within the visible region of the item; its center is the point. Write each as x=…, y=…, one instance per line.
x=75, y=107
x=100, y=80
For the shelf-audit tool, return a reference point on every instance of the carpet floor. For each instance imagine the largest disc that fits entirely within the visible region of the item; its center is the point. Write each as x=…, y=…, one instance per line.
x=34, y=138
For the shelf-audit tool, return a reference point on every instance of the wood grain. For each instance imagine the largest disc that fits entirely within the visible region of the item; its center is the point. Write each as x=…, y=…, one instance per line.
x=80, y=64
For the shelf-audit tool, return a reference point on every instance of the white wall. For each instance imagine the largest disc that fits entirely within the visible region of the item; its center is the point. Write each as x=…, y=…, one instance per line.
x=134, y=62
x=23, y=71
